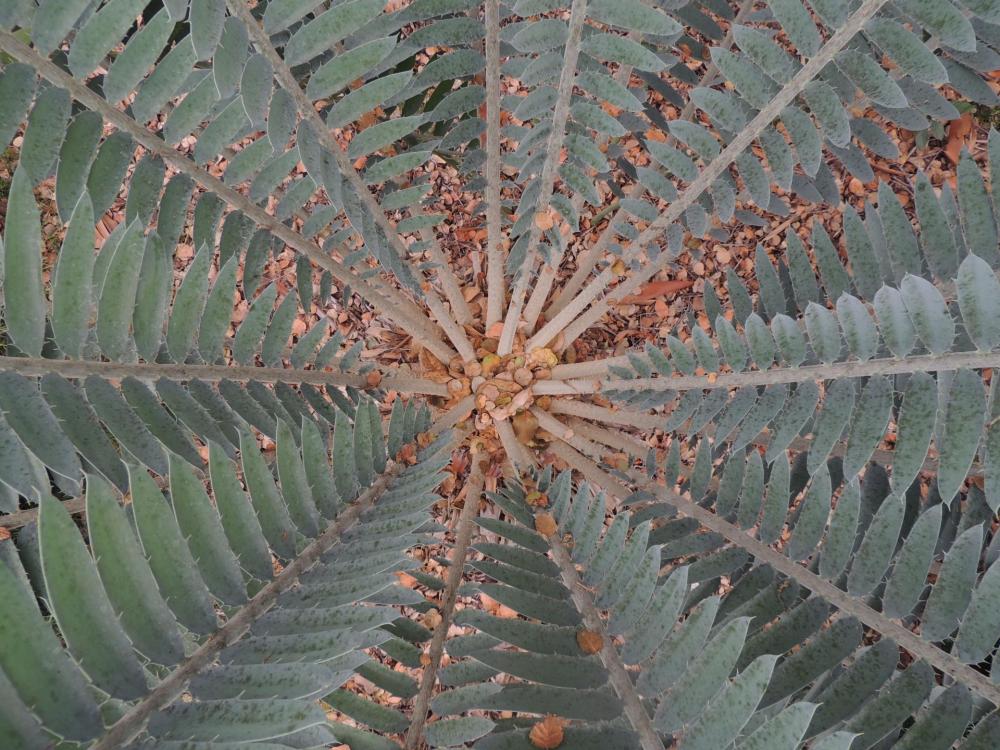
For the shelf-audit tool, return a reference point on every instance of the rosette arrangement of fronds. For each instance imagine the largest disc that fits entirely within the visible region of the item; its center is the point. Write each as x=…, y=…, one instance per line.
x=229, y=519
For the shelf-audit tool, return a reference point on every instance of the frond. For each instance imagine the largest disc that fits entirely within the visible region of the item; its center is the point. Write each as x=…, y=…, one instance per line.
x=160, y=571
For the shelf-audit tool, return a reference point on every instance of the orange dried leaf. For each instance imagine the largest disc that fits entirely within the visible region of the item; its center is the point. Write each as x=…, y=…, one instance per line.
x=544, y=221
x=497, y=609
x=958, y=133
x=655, y=290
x=525, y=426
x=405, y=579
x=506, y=613
x=545, y=524
x=589, y=641
x=494, y=331
x=548, y=733
x=490, y=604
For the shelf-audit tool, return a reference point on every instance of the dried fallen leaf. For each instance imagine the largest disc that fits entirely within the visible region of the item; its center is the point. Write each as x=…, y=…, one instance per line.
x=589, y=641
x=958, y=133
x=611, y=109
x=544, y=221
x=525, y=426
x=655, y=290
x=545, y=524
x=429, y=362
x=497, y=609
x=548, y=733
x=431, y=619
x=489, y=603
x=405, y=579
x=619, y=461
x=494, y=331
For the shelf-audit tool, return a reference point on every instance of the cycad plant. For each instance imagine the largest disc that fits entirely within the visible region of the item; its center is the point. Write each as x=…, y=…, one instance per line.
x=772, y=528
